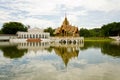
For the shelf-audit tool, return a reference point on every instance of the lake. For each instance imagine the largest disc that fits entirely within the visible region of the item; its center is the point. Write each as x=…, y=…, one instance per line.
x=45, y=61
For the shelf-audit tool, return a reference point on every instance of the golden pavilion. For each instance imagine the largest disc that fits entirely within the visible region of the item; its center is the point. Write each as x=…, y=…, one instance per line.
x=67, y=30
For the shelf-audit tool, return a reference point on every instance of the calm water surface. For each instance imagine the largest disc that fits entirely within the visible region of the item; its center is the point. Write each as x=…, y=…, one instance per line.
x=42, y=61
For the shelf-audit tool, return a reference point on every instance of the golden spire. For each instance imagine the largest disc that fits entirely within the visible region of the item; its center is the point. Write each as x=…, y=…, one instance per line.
x=65, y=15
x=65, y=22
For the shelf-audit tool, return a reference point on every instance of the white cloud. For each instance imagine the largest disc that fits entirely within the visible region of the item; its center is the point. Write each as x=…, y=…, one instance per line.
x=100, y=5
x=40, y=23
x=4, y=16
x=20, y=10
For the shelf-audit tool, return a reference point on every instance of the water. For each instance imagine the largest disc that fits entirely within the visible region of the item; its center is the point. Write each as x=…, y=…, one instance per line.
x=42, y=61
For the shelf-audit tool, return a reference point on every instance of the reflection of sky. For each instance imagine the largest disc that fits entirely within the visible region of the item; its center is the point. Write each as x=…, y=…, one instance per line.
x=94, y=56
x=90, y=65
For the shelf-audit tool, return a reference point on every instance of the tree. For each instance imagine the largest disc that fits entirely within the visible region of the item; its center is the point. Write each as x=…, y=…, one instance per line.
x=13, y=27
x=111, y=29
x=84, y=32
x=96, y=32
x=50, y=30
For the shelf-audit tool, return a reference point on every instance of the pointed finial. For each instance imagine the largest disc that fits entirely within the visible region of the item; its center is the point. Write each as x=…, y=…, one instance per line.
x=65, y=14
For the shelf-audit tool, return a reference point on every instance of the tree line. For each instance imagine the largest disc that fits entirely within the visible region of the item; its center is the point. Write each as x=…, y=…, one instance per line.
x=111, y=29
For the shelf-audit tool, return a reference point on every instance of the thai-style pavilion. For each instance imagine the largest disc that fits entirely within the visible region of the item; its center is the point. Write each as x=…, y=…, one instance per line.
x=67, y=30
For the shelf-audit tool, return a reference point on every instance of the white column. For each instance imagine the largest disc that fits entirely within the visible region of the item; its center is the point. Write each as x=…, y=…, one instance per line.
x=28, y=35
x=41, y=35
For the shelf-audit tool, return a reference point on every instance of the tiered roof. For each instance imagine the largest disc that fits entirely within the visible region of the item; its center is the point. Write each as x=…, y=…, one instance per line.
x=66, y=27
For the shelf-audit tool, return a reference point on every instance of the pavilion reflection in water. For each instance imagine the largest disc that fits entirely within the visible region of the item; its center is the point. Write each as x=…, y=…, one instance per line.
x=65, y=51
x=35, y=46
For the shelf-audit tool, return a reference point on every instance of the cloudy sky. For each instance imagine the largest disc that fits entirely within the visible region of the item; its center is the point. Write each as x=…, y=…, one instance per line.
x=45, y=13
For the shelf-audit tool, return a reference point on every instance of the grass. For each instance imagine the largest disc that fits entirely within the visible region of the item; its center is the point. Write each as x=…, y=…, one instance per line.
x=97, y=39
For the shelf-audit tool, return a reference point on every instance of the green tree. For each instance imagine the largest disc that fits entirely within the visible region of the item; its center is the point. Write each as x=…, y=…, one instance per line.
x=96, y=32
x=84, y=32
x=50, y=30
x=13, y=27
x=111, y=29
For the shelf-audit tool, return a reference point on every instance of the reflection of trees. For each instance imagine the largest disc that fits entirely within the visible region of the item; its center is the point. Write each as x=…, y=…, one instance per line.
x=92, y=44
x=106, y=48
x=66, y=53
x=112, y=50
x=13, y=52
